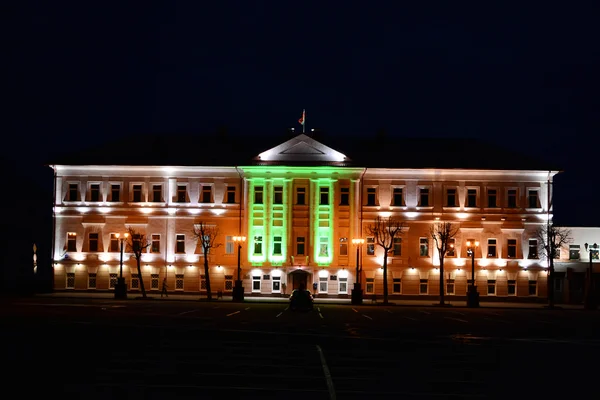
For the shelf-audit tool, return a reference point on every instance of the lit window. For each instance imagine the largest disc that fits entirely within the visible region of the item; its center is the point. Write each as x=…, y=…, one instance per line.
x=492, y=248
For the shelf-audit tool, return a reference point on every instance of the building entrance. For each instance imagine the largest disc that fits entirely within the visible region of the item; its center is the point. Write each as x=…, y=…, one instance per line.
x=299, y=279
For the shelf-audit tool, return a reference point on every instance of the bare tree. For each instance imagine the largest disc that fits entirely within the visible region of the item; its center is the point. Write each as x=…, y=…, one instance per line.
x=206, y=235
x=137, y=244
x=442, y=233
x=550, y=240
x=384, y=230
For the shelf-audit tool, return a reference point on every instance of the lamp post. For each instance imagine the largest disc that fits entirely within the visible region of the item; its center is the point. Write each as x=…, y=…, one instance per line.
x=238, y=289
x=590, y=301
x=121, y=287
x=357, y=291
x=472, y=294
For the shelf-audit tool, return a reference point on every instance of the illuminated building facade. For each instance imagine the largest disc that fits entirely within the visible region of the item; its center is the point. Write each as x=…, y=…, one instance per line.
x=299, y=205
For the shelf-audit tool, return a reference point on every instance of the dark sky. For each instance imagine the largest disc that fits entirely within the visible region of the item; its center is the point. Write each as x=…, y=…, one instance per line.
x=526, y=77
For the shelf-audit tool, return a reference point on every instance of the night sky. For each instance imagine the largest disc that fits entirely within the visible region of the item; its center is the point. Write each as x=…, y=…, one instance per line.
x=526, y=77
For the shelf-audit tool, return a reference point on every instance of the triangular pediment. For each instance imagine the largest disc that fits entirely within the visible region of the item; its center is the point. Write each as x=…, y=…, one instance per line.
x=302, y=148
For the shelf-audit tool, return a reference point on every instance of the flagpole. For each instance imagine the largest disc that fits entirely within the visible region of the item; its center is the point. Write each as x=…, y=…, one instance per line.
x=304, y=124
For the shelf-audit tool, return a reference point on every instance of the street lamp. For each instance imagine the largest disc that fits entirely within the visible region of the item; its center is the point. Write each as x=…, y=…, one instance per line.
x=357, y=292
x=238, y=289
x=472, y=294
x=120, y=287
x=590, y=301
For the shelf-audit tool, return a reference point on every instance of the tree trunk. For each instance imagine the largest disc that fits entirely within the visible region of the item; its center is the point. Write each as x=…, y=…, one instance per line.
x=385, y=284
x=442, y=279
x=208, y=291
x=551, y=284
x=139, y=268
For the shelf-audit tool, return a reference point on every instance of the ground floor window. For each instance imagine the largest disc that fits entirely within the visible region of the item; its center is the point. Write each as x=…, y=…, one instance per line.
x=512, y=287
x=323, y=284
x=256, y=283
x=276, y=284
x=558, y=284
x=491, y=287
x=533, y=288
x=423, y=286
x=397, y=285
x=91, y=281
x=154, y=281
x=343, y=286
x=135, y=281
x=112, y=281
x=370, y=289
x=202, y=282
x=179, y=282
x=228, y=283
x=70, y=280
x=450, y=286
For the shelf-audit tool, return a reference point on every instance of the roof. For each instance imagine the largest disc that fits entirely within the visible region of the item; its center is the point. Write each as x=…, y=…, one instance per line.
x=368, y=151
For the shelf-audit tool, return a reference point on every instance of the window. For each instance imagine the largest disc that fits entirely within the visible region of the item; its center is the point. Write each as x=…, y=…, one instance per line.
x=423, y=247
x=532, y=199
x=344, y=196
x=256, y=283
x=451, y=248
x=156, y=193
x=423, y=286
x=178, y=281
x=300, y=246
x=300, y=196
x=114, y=243
x=228, y=283
x=135, y=281
x=492, y=197
x=512, y=287
x=343, y=246
x=397, y=285
x=180, y=244
x=70, y=284
x=115, y=193
x=511, y=198
x=258, y=244
x=155, y=247
x=594, y=254
x=154, y=281
x=276, y=284
x=95, y=192
x=181, y=193
x=424, y=197
x=323, y=284
x=574, y=250
x=91, y=281
x=71, y=241
x=93, y=241
x=277, y=245
x=323, y=246
x=512, y=248
x=278, y=195
x=229, y=247
x=202, y=282
x=206, y=194
x=397, y=247
x=471, y=197
x=343, y=286
x=324, y=196
x=137, y=193
x=370, y=246
x=492, y=248
x=450, y=286
x=258, y=195
x=491, y=287
x=533, y=249
x=533, y=288
x=370, y=289
x=558, y=284
x=112, y=281
x=371, y=196
x=136, y=241
x=73, y=191
x=451, y=197
x=230, y=196
x=397, y=198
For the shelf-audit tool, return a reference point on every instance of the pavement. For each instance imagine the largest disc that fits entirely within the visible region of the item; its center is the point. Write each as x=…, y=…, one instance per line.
x=318, y=300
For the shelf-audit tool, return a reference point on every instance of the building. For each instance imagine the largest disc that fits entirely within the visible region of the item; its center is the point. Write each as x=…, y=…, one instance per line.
x=299, y=205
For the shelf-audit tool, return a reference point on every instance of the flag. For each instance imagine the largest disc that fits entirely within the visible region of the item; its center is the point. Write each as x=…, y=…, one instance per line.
x=302, y=118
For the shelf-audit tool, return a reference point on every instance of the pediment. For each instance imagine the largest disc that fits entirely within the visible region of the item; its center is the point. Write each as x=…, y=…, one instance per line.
x=302, y=148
